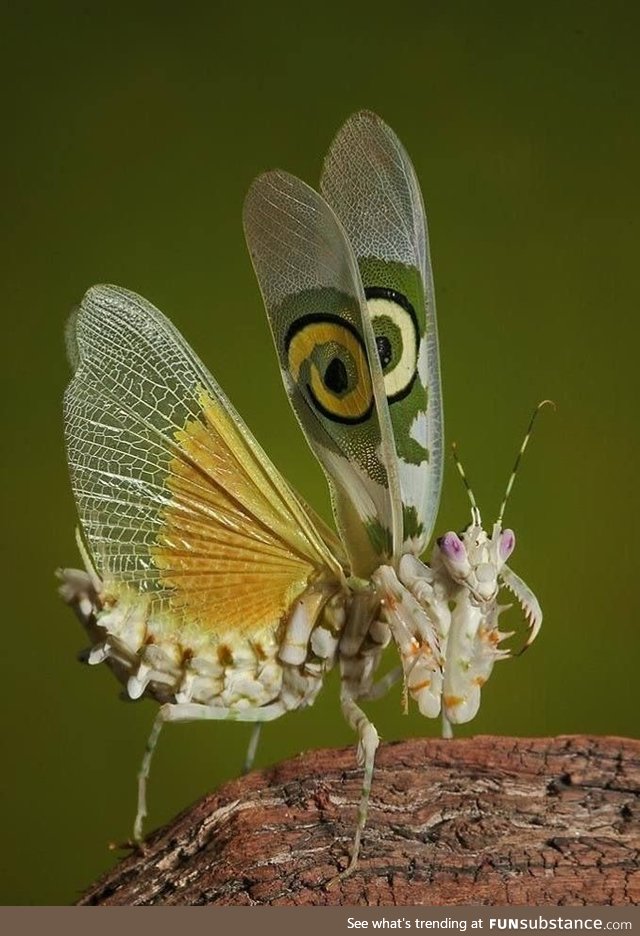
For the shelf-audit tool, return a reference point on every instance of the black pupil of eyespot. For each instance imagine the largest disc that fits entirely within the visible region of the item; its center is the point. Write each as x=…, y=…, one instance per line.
x=336, y=377
x=384, y=350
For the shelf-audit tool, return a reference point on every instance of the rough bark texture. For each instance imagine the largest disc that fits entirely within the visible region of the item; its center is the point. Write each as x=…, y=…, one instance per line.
x=478, y=821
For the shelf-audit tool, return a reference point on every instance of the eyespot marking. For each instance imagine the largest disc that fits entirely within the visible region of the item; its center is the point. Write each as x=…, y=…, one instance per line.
x=397, y=338
x=328, y=361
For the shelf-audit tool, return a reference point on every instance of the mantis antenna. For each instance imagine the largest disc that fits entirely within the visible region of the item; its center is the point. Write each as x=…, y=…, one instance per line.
x=475, y=513
x=516, y=465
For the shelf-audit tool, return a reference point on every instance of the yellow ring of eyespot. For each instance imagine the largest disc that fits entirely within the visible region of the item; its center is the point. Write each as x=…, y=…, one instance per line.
x=353, y=405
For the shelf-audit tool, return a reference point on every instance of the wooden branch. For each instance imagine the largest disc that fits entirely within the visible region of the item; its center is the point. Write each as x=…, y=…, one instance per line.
x=477, y=821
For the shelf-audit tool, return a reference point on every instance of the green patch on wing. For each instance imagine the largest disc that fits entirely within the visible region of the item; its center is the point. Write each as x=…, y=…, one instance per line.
x=413, y=452
x=413, y=526
x=380, y=537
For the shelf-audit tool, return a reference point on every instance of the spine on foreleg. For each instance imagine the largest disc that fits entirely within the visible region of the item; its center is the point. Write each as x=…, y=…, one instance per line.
x=416, y=638
x=432, y=593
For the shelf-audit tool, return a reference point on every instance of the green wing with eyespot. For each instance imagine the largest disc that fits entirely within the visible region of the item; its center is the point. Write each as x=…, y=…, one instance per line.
x=328, y=356
x=371, y=185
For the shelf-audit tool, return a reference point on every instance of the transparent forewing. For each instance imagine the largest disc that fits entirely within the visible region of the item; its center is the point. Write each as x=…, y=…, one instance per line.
x=371, y=185
x=317, y=311
x=175, y=496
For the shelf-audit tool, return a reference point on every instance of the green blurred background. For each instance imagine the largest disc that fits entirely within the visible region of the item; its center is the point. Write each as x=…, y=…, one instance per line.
x=131, y=134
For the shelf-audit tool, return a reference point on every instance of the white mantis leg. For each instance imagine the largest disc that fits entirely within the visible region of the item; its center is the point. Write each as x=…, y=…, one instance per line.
x=191, y=711
x=367, y=746
x=360, y=648
x=254, y=740
x=447, y=730
x=143, y=776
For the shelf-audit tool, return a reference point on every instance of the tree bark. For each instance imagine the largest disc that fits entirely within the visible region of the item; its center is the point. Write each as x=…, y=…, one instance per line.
x=475, y=821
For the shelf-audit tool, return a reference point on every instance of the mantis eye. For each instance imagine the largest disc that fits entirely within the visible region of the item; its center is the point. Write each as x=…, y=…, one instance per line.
x=507, y=544
x=452, y=547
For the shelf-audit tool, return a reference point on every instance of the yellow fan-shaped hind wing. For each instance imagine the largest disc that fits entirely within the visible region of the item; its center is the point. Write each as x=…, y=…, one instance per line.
x=175, y=496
